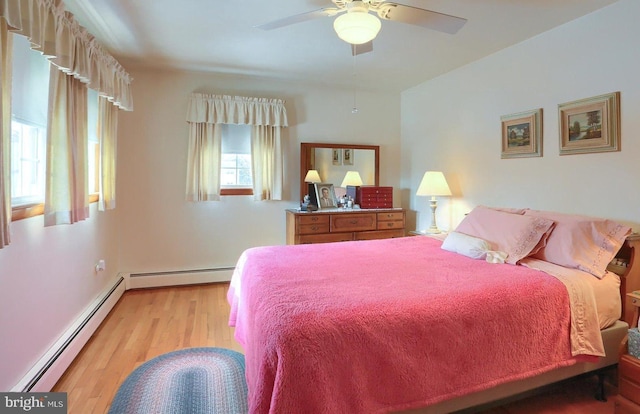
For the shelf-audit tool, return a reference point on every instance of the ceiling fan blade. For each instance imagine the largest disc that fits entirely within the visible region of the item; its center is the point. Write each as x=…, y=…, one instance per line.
x=361, y=49
x=421, y=17
x=298, y=18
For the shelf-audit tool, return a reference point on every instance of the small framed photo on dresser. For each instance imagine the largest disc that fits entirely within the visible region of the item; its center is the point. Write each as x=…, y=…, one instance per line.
x=326, y=196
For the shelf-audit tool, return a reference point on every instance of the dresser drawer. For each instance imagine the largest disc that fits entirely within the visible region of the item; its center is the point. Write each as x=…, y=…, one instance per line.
x=313, y=228
x=391, y=216
x=388, y=225
x=629, y=389
x=353, y=222
x=624, y=406
x=366, y=191
x=324, y=238
x=380, y=234
x=313, y=219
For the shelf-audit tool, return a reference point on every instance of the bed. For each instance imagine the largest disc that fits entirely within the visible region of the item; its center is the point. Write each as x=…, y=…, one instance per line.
x=518, y=299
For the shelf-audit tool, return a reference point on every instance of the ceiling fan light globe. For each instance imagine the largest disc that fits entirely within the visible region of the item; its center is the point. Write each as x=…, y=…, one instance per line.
x=357, y=27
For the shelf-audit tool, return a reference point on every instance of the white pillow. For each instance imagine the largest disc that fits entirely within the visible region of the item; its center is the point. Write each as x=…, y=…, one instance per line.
x=469, y=246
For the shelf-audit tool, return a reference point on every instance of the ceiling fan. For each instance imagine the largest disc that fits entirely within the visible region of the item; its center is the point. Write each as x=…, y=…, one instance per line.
x=358, y=24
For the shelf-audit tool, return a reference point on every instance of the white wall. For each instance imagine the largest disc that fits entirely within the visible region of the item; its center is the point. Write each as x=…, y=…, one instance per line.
x=47, y=276
x=452, y=124
x=47, y=279
x=163, y=232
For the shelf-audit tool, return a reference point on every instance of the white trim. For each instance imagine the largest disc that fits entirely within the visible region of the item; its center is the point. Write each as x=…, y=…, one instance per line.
x=52, y=365
x=182, y=277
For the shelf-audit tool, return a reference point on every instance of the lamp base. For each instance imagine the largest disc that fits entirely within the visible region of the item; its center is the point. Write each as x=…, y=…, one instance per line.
x=433, y=229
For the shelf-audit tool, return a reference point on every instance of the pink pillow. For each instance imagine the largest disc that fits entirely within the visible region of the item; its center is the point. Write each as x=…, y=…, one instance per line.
x=517, y=235
x=511, y=210
x=581, y=242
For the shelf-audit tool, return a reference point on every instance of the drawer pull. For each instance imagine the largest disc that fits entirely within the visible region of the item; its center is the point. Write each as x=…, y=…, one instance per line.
x=314, y=218
x=389, y=224
x=314, y=228
x=354, y=222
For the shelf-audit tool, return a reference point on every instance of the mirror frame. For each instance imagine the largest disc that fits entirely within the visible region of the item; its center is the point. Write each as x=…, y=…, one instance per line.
x=305, y=159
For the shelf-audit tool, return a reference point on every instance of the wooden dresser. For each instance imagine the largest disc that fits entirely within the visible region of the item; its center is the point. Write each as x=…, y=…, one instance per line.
x=344, y=225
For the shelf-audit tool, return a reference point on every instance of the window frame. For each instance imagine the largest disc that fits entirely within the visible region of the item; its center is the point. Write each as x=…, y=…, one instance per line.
x=37, y=209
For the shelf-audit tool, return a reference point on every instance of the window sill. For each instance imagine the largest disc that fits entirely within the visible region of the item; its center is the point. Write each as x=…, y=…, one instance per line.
x=236, y=191
x=32, y=210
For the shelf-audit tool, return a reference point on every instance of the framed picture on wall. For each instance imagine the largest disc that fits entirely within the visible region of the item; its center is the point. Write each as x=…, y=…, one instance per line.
x=522, y=134
x=326, y=196
x=336, y=156
x=347, y=156
x=590, y=125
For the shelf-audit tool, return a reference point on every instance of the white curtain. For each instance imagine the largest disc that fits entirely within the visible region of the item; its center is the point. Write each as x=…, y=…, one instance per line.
x=5, y=134
x=107, y=134
x=266, y=156
x=66, y=196
x=76, y=53
x=56, y=34
x=203, y=166
x=203, y=162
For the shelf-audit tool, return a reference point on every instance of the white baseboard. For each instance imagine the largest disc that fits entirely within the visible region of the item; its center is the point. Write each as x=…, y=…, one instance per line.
x=183, y=277
x=50, y=367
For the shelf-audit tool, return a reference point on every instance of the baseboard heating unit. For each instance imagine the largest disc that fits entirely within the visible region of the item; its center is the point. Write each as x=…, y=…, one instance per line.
x=50, y=367
x=178, y=277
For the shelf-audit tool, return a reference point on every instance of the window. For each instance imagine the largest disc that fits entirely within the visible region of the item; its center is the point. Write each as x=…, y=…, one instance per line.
x=235, y=169
x=93, y=145
x=29, y=99
x=29, y=104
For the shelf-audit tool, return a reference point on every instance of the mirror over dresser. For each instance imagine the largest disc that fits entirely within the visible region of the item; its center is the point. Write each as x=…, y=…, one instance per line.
x=319, y=156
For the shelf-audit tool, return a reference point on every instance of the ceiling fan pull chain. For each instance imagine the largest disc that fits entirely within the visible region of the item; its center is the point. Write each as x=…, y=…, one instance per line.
x=354, y=110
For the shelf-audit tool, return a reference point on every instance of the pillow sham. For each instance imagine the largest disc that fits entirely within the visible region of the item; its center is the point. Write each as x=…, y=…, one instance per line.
x=512, y=210
x=516, y=235
x=581, y=242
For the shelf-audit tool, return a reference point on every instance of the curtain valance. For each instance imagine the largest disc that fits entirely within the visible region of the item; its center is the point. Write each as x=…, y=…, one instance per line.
x=56, y=34
x=224, y=109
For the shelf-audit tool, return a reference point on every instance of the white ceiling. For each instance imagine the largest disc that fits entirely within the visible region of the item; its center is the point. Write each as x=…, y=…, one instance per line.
x=219, y=36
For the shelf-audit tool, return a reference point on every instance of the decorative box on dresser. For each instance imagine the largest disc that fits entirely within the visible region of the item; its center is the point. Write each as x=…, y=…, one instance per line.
x=304, y=227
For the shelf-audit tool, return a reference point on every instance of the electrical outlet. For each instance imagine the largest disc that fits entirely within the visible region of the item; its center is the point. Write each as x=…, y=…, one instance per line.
x=100, y=266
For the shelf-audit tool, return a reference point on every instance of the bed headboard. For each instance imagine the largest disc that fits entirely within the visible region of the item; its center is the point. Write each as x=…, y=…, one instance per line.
x=629, y=274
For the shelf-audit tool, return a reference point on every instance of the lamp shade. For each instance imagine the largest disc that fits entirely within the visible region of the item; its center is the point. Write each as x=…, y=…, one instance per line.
x=433, y=184
x=357, y=26
x=312, y=177
x=352, y=178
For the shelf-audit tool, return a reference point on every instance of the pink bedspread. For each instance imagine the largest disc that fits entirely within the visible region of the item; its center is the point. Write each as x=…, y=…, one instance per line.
x=384, y=325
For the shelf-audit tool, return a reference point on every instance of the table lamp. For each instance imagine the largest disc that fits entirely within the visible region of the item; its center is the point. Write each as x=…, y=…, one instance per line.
x=312, y=177
x=351, y=182
x=433, y=184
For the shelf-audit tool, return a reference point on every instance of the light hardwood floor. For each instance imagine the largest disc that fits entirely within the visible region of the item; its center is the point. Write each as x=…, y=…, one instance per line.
x=151, y=322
